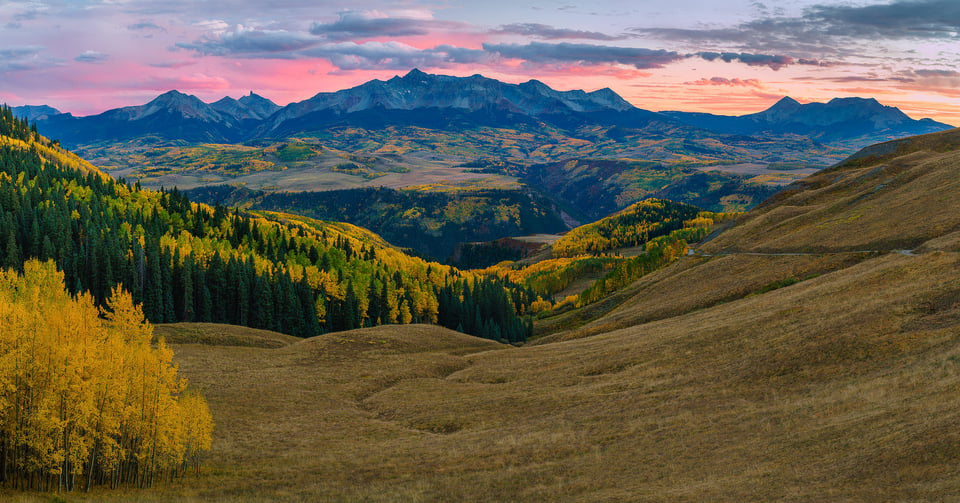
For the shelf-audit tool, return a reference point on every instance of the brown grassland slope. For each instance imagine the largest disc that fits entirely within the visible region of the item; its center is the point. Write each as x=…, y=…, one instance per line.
x=831, y=374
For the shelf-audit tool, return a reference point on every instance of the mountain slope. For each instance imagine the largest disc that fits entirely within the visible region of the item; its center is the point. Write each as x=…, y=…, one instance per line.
x=851, y=206
x=432, y=221
x=897, y=203
x=34, y=112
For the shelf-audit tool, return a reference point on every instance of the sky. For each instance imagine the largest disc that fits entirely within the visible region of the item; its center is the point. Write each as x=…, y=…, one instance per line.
x=718, y=56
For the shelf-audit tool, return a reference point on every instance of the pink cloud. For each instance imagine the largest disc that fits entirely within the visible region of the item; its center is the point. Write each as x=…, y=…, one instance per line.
x=723, y=81
x=196, y=81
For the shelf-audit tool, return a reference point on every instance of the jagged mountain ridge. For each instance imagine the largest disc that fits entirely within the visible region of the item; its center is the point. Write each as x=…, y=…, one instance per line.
x=249, y=107
x=420, y=90
x=172, y=116
x=416, y=98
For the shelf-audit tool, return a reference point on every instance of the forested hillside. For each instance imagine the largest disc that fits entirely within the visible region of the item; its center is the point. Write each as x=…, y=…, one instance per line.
x=431, y=220
x=593, y=261
x=191, y=262
x=632, y=226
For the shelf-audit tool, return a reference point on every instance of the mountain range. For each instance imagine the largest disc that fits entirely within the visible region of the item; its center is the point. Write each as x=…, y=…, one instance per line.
x=458, y=103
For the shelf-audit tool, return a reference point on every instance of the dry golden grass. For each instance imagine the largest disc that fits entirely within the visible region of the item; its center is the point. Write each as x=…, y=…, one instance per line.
x=221, y=335
x=841, y=387
x=697, y=283
x=900, y=203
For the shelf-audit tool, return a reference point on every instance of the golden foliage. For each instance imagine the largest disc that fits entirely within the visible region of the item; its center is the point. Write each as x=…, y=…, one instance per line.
x=88, y=400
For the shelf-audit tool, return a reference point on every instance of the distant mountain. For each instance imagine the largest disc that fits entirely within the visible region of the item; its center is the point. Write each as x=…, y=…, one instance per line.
x=445, y=94
x=172, y=103
x=420, y=90
x=170, y=116
x=839, y=121
x=34, y=112
x=416, y=99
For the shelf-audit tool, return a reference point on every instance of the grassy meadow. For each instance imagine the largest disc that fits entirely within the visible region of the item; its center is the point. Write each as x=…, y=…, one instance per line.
x=812, y=392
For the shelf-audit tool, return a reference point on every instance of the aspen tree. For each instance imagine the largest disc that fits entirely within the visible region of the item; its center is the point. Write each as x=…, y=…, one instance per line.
x=88, y=399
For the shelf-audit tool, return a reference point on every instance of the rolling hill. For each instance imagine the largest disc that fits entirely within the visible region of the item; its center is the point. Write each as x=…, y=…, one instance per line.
x=809, y=352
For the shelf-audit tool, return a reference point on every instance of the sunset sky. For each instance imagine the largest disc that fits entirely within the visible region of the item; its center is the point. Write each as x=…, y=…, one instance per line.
x=720, y=56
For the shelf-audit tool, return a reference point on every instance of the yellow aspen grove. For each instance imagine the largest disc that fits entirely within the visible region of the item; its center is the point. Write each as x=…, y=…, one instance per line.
x=85, y=397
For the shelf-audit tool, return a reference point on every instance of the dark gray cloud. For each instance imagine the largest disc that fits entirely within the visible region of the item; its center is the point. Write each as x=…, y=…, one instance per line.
x=898, y=19
x=92, y=57
x=454, y=54
x=391, y=55
x=360, y=25
x=251, y=43
x=547, y=32
x=937, y=73
x=835, y=30
x=538, y=52
x=25, y=58
x=775, y=62
x=769, y=35
x=172, y=64
x=694, y=36
x=281, y=44
x=144, y=25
